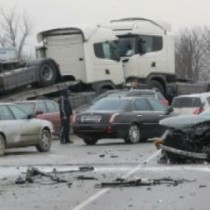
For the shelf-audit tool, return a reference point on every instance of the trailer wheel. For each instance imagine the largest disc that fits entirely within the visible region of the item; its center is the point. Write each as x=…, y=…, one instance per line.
x=155, y=85
x=47, y=73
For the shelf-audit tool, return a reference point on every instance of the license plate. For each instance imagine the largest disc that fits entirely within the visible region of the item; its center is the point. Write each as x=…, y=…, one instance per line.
x=91, y=118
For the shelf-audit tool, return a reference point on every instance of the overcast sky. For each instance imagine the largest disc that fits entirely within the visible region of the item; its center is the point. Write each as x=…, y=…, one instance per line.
x=47, y=14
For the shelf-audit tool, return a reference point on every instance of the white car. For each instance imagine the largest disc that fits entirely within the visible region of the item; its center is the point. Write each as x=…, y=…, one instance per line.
x=19, y=129
x=192, y=103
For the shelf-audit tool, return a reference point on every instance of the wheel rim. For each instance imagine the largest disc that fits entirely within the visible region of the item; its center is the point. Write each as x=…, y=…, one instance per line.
x=134, y=134
x=45, y=141
x=46, y=72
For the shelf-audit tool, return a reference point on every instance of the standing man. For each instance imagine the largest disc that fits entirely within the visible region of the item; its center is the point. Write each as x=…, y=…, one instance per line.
x=65, y=113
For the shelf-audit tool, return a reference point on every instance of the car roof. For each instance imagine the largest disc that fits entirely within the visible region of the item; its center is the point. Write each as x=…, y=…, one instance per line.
x=33, y=101
x=205, y=94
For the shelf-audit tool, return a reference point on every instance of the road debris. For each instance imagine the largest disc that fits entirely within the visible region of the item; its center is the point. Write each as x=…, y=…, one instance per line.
x=119, y=182
x=34, y=175
x=81, y=177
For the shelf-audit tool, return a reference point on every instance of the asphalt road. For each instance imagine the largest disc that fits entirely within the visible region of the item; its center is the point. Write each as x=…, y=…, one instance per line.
x=80, y=172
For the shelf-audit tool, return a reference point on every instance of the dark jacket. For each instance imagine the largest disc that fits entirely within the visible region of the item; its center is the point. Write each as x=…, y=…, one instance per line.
x=65, y=106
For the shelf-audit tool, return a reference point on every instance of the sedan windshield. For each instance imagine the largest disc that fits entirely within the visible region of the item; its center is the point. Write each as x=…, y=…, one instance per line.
x=110, y=105
x=28, y=107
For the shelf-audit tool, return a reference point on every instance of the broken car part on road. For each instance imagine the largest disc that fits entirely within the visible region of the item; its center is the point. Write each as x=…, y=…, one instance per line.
x=142, y=182
x=32, y=174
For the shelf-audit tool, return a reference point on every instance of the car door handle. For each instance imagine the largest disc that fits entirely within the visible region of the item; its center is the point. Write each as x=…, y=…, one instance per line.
x=139, y=115
x=160, y=115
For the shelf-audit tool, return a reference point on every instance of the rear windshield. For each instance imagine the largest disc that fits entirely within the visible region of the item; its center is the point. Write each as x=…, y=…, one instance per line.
x=110, y=95
x=110, y=105
x=186, y=102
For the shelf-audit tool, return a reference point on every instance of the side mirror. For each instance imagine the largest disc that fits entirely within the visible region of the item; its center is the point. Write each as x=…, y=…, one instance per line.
x=38, y=112
x=31, y=116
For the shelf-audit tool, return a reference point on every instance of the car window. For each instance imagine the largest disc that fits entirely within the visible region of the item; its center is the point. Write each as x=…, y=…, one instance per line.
x=27, y=107
x=186, y=102
x=156, y=105
x=51, y=106
x=18, y=112
x=5, y=113
x=41, y=107
x=141, y=105
x=110, y=105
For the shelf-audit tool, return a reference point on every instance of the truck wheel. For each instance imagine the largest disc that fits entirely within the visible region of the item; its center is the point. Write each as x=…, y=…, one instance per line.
x=2, y=145
x=155, y=85
x=90, y=141
x=133, y=135
x=47, y=73
x=45, y=141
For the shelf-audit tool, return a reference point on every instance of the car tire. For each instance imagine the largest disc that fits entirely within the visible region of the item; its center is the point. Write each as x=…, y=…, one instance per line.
x=2, y=145
x=45, y=141
x=47, y=73
x=90, y=141
x=133, y=134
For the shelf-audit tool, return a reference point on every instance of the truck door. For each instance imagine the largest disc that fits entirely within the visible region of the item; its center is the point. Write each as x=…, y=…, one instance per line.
x=107, y=64
x=68, y=52
x=147, y=56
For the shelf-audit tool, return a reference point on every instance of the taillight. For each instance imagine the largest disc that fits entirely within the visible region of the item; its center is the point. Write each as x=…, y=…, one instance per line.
x=198, y=110
x=73, y=118
x=112, y=118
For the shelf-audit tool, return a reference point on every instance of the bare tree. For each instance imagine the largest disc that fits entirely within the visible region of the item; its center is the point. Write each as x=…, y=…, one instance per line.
x=190, y=52
x=16, y=27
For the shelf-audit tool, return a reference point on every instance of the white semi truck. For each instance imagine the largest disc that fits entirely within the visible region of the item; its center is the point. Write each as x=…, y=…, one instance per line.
x=99, y=58
x=80, y=57
x=147, y=51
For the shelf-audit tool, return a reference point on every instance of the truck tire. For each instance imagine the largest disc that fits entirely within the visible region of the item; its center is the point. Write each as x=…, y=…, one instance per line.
x=155, y=85
x=47, y=73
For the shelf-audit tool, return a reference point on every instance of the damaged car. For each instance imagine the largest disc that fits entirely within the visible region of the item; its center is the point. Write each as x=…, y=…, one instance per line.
x=187, y=138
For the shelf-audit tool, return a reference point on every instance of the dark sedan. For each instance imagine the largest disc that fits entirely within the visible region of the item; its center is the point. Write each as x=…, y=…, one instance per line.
x=133, y=119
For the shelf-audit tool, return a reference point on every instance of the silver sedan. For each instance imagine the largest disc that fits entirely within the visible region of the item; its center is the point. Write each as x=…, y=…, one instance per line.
x=19, y=129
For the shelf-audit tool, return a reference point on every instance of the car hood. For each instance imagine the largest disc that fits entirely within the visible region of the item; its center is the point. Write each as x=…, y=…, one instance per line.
x=183, y=121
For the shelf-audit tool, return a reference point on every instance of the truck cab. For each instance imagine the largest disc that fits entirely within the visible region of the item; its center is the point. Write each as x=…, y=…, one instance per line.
x=85, y=53
x=147, y=51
